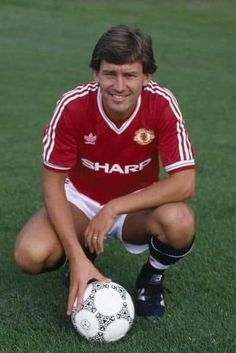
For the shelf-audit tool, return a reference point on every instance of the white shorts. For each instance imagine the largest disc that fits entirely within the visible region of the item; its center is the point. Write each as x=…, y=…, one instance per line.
x=90, y=208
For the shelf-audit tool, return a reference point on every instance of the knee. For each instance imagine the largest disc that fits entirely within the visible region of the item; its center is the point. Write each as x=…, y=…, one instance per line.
x=34, y=258
x=176, y=223
x=180, y=220
x=26, y=259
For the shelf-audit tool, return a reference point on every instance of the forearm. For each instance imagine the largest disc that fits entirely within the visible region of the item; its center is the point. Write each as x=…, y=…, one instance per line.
x=60, y=215
x=172, y=189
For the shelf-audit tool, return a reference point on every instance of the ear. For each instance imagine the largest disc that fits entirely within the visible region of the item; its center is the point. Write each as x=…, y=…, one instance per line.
x=146, y=79
x=95, y=76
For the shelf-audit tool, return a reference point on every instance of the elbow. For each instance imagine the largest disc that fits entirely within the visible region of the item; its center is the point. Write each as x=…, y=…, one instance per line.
x=189, y=195
x=189, y=191
x=185, y=184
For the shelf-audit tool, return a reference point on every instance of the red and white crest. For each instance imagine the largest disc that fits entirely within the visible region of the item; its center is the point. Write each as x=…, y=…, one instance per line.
x=144, y=136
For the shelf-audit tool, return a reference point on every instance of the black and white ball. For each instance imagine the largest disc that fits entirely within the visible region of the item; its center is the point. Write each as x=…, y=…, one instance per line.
x=106, y=314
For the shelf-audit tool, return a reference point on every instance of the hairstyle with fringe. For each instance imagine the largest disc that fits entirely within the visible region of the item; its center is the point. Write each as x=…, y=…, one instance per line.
x=122, y=45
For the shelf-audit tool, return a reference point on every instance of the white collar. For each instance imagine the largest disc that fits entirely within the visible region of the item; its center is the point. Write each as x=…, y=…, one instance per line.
x=113, y=126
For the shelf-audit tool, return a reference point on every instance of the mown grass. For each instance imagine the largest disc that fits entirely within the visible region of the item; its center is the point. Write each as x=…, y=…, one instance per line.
x=45, y=49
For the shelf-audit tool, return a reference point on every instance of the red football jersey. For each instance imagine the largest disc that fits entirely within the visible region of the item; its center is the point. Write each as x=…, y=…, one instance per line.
x=105, y=159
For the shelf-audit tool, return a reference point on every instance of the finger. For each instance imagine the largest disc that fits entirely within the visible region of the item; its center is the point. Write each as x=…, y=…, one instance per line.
x=86, y=237
x=91, y=245
x=102, y=278
x=89, y=240
x=95, y=240
x=80, y=295
x=99, y=248
x=72, y=296
x=93, y=237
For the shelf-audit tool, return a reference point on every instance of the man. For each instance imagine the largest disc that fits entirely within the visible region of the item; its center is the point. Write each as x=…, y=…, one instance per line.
x=101, y=174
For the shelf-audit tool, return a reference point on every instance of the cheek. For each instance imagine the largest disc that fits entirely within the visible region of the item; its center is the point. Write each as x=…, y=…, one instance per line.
x=137, y=89
x=105, y=85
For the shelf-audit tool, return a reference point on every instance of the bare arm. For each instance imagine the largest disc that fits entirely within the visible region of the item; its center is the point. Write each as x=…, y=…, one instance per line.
x=58, y=209
x=175, y=188
x=59, y=212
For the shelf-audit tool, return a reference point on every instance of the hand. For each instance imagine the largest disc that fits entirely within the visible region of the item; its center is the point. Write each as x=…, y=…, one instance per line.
x=97, y=228
x=80, y=273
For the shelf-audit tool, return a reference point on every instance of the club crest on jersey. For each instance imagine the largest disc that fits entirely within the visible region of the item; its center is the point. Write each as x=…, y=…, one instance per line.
x=144, y=136
x=90, y=139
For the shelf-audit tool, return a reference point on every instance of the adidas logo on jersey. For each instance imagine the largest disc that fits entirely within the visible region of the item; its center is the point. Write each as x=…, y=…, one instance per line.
x=90, y=139
x=115, y=168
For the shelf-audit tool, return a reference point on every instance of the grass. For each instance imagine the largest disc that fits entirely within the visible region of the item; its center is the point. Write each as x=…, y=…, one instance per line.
x=46, y=47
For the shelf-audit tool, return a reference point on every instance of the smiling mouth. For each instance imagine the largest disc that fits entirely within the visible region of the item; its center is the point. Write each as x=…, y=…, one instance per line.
x=118, y=97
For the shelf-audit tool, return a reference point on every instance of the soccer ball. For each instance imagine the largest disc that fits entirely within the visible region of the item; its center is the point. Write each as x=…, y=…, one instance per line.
x=106, y=314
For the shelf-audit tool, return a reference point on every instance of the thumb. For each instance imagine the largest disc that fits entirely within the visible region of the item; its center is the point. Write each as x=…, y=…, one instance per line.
x=102, y=278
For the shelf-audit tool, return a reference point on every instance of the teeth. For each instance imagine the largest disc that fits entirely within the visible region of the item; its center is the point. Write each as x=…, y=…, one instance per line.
x=118, y=97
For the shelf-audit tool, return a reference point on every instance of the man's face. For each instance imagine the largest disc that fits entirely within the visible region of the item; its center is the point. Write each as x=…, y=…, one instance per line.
x=120, y=86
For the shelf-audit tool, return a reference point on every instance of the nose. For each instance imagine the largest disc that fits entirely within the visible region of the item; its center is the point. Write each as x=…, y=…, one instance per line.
x=120, y=84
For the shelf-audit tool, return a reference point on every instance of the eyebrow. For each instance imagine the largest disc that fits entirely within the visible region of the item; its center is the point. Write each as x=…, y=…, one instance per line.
x=105, y=71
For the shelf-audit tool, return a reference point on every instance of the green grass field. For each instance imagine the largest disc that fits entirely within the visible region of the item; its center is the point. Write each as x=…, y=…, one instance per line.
x=45, y=49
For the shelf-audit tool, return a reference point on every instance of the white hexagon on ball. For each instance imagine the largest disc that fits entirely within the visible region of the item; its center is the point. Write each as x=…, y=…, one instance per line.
x=106, y=314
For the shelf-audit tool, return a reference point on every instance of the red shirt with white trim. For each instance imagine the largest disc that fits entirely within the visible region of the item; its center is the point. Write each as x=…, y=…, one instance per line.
x=105, y=159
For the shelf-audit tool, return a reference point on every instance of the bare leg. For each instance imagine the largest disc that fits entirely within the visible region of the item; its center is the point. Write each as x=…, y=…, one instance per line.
x=38, y=247
x=169, y=230
x=173, y=224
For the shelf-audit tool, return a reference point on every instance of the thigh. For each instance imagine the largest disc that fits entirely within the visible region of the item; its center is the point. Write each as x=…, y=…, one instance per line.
x=135, y=227
x=38, y=237
x=139, y=226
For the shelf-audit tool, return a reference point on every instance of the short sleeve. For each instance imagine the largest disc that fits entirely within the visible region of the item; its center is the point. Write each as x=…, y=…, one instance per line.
x=174, y=145
x=59, y=143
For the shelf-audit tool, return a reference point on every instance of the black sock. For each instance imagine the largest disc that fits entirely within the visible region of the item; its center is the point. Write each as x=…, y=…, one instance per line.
x=153, y=269
x=165, y=254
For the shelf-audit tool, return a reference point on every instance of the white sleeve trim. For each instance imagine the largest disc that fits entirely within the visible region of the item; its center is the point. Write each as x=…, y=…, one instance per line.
x=54, y=166
x=178, y=165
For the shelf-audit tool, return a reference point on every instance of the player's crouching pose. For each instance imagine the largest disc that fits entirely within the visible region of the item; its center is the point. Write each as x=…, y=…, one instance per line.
x=101, y=174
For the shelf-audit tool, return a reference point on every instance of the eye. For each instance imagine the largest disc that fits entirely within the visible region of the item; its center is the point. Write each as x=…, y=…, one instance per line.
x=130, y=75
x=109, y=74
